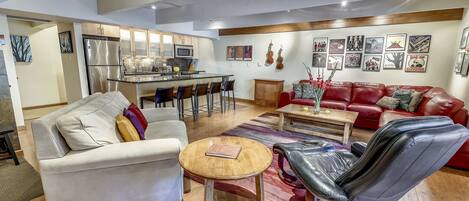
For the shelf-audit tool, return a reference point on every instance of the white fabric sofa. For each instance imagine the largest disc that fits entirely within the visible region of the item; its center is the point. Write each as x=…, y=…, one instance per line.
x=141, y=170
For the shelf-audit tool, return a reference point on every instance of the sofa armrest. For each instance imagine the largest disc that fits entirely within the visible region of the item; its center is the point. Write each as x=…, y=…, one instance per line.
x=114, y=155
x=160, y=114
x=285, y=98
x=358, y=148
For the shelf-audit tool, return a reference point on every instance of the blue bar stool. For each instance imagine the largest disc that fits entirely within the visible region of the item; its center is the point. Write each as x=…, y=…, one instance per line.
x=162, y=96
x=184, y=92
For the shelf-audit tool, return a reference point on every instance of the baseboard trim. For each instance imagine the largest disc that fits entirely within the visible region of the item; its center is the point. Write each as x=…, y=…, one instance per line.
x=44, y=106
x=245, y=100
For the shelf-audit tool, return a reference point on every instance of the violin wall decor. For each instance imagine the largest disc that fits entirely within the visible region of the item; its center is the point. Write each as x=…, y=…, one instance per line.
x=270, y=55
x=279, y=60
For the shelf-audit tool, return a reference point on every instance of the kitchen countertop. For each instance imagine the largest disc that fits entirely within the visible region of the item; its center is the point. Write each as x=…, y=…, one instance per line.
x=166, y=78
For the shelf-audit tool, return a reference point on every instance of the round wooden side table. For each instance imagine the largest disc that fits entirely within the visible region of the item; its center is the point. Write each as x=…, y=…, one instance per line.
x=253, y=159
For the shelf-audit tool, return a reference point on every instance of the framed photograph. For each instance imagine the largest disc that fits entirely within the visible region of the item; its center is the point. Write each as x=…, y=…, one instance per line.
x=65, y=40
x=355, y=43
x=419, y=44
x=465, y=65
x=372, y=63
x=374, y=45
x=230, y=53
x=320, y=44
x=247, y=53
x=416, y=63
x=319, y=60
x=393, y=60
x=396, y=42
x=336, y=46
x=353, y=60
x=21, y=48
x=335, y=61
x=464, y=37
x=459, y=62
x=239, y=53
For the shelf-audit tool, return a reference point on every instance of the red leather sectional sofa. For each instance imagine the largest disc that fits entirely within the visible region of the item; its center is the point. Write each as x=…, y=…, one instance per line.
x=362, y=98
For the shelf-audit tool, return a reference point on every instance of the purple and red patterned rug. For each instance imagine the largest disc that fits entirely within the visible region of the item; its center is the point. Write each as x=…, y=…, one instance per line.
x=262, y=129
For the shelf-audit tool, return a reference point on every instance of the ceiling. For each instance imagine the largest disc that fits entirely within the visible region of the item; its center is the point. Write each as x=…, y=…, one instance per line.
x=221, y=14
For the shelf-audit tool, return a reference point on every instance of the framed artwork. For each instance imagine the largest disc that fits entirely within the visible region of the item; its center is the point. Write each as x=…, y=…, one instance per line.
x=335, y=61
x=65, y=41
x=464, y=37
x=374, y=45
x=419, y=44
x=320, y=44
x=336, y=46
x=247, y=53
x=230, y=53
x=355, y=43
x=21, y=48
x=353, y=60
x=396, y=42
x=465, y=65
x=459, y=62
x=416, y=63
x=319, y=60
x=372, y=63
x=239, y=53
x=393, y=60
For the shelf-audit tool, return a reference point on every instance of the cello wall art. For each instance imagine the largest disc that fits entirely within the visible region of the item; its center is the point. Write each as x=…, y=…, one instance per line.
x=270, y=55
x=279, y=60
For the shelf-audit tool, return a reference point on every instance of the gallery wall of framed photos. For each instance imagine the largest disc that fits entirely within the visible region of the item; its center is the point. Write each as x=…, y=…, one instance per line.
x=239, y=53
x=461, y=64
x=394, y=51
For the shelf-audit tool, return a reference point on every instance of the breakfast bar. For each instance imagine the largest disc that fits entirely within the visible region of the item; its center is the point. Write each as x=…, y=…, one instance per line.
x=134, y=87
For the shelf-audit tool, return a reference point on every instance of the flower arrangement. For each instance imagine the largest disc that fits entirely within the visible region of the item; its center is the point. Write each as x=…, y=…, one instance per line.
x=319, y=84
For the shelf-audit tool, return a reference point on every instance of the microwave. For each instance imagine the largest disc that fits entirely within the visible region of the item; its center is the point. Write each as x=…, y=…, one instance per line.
x=183, y=51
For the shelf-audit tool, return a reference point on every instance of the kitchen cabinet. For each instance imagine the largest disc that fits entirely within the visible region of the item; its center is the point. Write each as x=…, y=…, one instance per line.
x=100, y=30
x=168, y=46
x=182, y=39
x=140, y=39
x=154, y=49
x=125, y=43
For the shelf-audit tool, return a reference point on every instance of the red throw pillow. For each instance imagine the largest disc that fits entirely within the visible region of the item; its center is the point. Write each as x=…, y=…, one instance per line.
x=134, y=109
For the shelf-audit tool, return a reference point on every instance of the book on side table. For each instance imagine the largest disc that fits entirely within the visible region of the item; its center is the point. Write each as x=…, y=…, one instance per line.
x=224, y=151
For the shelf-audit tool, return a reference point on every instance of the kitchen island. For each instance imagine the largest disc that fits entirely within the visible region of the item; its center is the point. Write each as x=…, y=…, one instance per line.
x=134, y=87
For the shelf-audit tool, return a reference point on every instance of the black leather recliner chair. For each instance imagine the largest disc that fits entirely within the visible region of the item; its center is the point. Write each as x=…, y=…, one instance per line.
x=397, y=158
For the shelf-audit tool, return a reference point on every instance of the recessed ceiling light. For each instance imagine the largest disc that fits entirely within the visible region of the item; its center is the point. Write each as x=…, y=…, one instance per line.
x=288, y=11
x=344, y=3
x=153, y=7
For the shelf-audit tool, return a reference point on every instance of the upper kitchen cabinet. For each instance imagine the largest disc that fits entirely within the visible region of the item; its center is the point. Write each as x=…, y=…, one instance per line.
x=125, y=43
x=168, y=46
x=182, y=39
x=154, y=44
x=140, y=39
x=100, y=30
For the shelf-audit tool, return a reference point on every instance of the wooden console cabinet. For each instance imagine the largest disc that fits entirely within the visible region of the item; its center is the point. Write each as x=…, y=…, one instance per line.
x=267, y=92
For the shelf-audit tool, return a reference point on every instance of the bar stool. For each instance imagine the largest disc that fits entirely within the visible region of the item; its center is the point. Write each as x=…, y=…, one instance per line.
x=162, y=95
x=215, y=87
x=6, y=143
x=200, y=90
x=184, y=92
x=229, y=86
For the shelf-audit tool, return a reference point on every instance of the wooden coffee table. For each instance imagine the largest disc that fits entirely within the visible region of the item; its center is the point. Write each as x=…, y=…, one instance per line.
x=341, y=118
x=253, y=159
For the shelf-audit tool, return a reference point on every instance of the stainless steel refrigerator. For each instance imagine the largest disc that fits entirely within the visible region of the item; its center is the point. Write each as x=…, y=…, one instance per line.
x=102, y=62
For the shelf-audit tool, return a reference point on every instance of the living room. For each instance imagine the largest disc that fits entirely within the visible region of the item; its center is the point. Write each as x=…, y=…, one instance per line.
x=247, y=100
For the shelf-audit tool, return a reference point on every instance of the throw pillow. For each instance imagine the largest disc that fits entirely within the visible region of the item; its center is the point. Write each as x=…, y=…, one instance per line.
x=135, y=122
x=415, y=101
x=298, y=89
x=134, y=108
x=126, y=129
x=404, y=97
x=308, y=91
x=388, y=102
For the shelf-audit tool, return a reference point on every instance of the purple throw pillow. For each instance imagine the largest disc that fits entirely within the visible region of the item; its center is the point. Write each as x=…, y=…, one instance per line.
x=134, y=119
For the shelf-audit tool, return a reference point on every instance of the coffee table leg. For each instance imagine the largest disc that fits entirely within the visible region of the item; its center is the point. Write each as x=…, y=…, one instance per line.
x=260, y=187
x=347, y=132
x=281, y=122
x=209, y=184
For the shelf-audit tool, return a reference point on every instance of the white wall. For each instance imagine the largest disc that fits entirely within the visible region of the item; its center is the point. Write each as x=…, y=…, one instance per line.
x=11, y=71
x=459, y=85
x=298, y=49
x=41, y=82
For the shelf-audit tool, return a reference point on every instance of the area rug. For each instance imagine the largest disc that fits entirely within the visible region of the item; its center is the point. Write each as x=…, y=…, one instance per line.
x=262, y=129
x=19, y=183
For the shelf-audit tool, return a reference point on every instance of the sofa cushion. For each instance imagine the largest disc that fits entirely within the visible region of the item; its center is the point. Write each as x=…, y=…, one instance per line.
x=333, y=104
x=367, y=93
x=127, y=129
x=298, y=89
x=366, y=111
x=389, y=115
x=339, y=91
x=388, y=102
x=167, y=129
x=308, y=91
x=309, y=102
x=404, y=97
x=135, y=122
x=439, y=104
x=141, y=118
x=390, y=89
x=415, y=100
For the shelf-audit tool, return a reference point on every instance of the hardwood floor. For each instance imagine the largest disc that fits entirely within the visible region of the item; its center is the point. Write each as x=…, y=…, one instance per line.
x=445, y=185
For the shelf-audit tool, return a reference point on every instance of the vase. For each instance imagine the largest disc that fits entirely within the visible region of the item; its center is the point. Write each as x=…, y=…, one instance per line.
x=317, y=107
